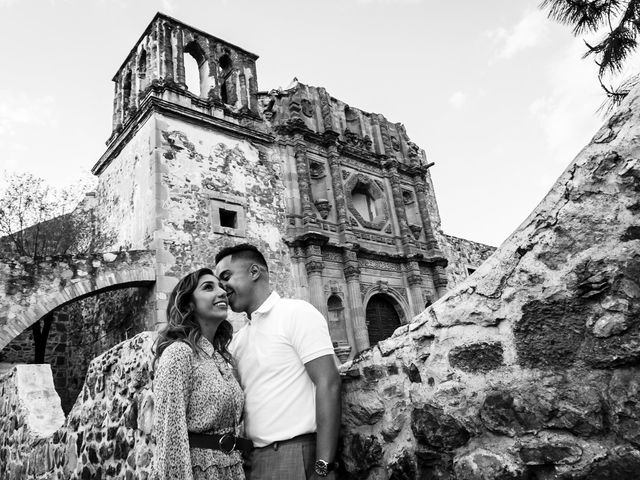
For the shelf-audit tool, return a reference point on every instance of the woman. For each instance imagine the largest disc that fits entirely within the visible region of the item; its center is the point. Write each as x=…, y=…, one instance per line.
x=198, y=400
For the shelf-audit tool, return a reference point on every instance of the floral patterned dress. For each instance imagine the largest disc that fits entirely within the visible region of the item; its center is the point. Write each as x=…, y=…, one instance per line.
x=195, y=392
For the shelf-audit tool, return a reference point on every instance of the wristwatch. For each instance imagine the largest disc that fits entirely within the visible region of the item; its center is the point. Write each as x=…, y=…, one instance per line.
x=322, y=467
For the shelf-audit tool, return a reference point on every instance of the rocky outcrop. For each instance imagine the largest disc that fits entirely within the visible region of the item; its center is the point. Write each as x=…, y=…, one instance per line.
x=530, y=368
x=107, y=433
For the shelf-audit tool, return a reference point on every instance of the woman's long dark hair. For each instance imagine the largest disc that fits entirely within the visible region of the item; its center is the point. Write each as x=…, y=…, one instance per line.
x=182, y=325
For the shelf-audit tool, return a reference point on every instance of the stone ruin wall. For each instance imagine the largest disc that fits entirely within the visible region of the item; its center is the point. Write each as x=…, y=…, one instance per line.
x=462, y=255
x=81, y=331
x=530, y=368
x=107, y=434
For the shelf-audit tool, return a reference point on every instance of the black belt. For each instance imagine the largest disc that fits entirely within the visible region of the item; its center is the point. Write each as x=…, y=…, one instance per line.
x=226, y=442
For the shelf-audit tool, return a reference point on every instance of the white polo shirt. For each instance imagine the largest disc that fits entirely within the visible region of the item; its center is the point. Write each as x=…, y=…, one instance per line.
x=270, y=352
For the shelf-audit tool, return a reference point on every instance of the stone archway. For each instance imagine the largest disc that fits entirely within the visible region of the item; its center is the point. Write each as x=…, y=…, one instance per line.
x=382, y=317
x=32, y=291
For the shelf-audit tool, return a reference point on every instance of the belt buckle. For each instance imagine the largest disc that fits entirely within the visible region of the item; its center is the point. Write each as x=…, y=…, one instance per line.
x=227, y=439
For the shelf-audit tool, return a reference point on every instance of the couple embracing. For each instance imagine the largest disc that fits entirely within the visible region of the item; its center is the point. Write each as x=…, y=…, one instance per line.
x=288, y=395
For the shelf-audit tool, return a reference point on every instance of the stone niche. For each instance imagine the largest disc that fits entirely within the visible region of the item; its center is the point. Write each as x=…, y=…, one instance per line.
x=530, y=369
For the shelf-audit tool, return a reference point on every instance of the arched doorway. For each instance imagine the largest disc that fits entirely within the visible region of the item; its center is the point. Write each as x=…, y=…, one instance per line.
x=381, y=317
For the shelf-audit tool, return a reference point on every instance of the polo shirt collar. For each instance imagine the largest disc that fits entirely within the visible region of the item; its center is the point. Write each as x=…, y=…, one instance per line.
x=267, y=305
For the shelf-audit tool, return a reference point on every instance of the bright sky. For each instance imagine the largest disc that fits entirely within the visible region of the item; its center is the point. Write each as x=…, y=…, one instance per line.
x=497, y=95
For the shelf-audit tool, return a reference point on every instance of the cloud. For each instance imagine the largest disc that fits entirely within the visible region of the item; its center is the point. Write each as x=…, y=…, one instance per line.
x=21, y=110
x=169, y=6
x=530, y=31
x=458, y=99
x=567, y=115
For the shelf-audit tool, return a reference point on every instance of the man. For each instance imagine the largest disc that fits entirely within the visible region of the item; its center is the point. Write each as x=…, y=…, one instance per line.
x=285, y=360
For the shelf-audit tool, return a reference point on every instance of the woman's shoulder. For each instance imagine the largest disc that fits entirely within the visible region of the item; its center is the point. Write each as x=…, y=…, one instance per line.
x=176, y=352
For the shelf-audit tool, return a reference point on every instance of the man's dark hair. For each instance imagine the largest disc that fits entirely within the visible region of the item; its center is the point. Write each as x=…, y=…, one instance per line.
x=244, y=251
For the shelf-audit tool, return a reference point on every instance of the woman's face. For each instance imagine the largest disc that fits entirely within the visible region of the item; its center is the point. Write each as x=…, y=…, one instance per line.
x=210, y=299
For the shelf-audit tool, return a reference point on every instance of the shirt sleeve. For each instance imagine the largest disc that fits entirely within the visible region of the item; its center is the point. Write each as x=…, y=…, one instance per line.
x=172, y=388
x=309, y=332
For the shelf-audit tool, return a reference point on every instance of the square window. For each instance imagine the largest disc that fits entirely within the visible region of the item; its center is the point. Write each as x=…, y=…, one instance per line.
x=227, y=214
x=228, y=218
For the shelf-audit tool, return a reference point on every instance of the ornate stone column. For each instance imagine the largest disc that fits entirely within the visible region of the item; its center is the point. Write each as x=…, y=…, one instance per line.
x=154, y=53
x=354, y=300
x=391, y=167
x=440, y=280
x=316, y=290
x=180, y=59
x=420, y=187
x=414, y=278
x=314, y=266
x=384, y=133
x=244, y=99
x=168, y=52
x=304, y=181
x=338, y=188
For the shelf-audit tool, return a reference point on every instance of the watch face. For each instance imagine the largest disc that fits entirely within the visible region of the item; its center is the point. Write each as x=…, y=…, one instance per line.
x=321, y=468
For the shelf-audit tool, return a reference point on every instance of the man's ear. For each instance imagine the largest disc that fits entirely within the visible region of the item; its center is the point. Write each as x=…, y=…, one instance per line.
x=255, y=271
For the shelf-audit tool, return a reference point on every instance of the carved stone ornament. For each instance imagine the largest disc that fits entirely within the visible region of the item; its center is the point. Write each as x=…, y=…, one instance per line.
x=388, y=229
x=383, y=285
x=395, y=143
x=352, y=272
x=414, y=150
x=367, y=142
x=353, y=139
x=407, y=197
x=365, y=183
x=316, y=170
x=314, y=267
x=307, y=107
x=294, y=106
x=323, y=206
x=345, y=174
x=416, y=230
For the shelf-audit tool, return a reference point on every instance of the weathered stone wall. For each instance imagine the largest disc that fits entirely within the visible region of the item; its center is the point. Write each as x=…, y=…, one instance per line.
x=80, y=332
x=106, y=435
x=464, y=257
x=126, y=198
x=32, y=289
x=202, y=171
x=529, y=368
x=31, y=413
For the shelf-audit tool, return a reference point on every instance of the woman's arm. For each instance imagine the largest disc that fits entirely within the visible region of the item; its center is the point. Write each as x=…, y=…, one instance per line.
x=172, y=387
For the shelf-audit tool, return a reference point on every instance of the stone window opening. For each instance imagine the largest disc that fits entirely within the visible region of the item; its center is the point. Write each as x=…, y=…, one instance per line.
x=228, y=218
x=126, y=94
x=196, y=70
x=364, y=202
x=227, y=214
x=227, y=88
x=142, y=64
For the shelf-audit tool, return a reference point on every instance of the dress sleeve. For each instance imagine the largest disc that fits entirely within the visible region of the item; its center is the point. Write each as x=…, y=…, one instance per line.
x=172, y=388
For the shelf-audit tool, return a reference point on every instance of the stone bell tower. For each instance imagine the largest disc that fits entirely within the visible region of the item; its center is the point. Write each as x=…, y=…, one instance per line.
x=188, y=167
